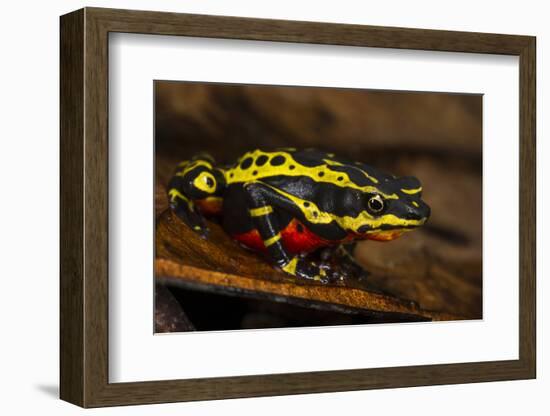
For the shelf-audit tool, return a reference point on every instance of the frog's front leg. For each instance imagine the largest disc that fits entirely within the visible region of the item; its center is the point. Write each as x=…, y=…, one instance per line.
x=186, y=210
x=342, y=262
x=262, y=200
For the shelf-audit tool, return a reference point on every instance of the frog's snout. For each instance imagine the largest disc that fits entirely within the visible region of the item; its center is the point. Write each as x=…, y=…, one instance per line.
x=418, y=211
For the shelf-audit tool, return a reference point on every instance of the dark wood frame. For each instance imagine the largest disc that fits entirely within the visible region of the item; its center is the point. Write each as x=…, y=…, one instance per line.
x=84, y=208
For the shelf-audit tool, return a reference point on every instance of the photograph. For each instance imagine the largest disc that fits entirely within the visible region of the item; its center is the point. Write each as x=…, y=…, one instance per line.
x=276, y=204
x=302, y=206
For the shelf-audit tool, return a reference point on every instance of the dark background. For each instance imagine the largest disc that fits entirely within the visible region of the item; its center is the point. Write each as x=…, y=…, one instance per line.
x=436, y=137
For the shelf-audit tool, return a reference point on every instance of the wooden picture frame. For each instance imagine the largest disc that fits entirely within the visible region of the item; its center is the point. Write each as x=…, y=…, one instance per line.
x=84, y=207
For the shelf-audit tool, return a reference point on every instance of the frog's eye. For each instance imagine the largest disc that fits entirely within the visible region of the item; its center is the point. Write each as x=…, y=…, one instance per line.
x=375, y=204
x=205, y=182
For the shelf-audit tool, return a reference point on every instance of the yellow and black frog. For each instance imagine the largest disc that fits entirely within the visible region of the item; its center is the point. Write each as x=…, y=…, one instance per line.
x=288, y=203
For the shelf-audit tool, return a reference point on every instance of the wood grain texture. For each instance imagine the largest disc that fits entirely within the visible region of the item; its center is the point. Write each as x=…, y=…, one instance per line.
x=312, y=382
x=84, y=207
x=527, y=209
x=96, y=218
x=226, y=27
x=72, y=368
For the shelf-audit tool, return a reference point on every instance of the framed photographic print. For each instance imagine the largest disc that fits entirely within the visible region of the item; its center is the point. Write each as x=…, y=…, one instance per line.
x=255, y=207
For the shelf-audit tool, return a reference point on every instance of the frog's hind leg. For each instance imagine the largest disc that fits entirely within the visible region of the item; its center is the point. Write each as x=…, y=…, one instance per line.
x=262, y=199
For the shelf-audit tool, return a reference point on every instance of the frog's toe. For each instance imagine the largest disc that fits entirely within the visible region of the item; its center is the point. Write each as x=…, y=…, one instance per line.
x=193, y=220
x=202, y=231
x=332, y=274
x=198, y=225
x=309, y=270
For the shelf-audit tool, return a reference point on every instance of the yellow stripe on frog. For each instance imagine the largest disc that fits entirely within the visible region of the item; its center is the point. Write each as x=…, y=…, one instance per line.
x=272, y=240
x=261, y=211
x=290, y=167
x=411, y=191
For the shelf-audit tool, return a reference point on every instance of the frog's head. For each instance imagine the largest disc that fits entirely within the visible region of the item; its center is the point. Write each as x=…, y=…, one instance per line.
x=198, y=178
x=392, y=208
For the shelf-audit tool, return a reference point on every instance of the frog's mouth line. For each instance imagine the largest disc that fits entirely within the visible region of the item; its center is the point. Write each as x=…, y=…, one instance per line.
x=388, y=235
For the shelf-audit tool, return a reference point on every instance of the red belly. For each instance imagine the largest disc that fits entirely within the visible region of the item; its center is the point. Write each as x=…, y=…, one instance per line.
x=296, y=238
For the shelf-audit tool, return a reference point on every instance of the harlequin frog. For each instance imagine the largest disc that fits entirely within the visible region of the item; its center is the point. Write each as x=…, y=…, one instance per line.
x=286, y=203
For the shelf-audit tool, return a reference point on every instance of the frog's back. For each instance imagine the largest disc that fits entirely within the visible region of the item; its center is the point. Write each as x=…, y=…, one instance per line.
x=260, y=164
x=314, y=164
